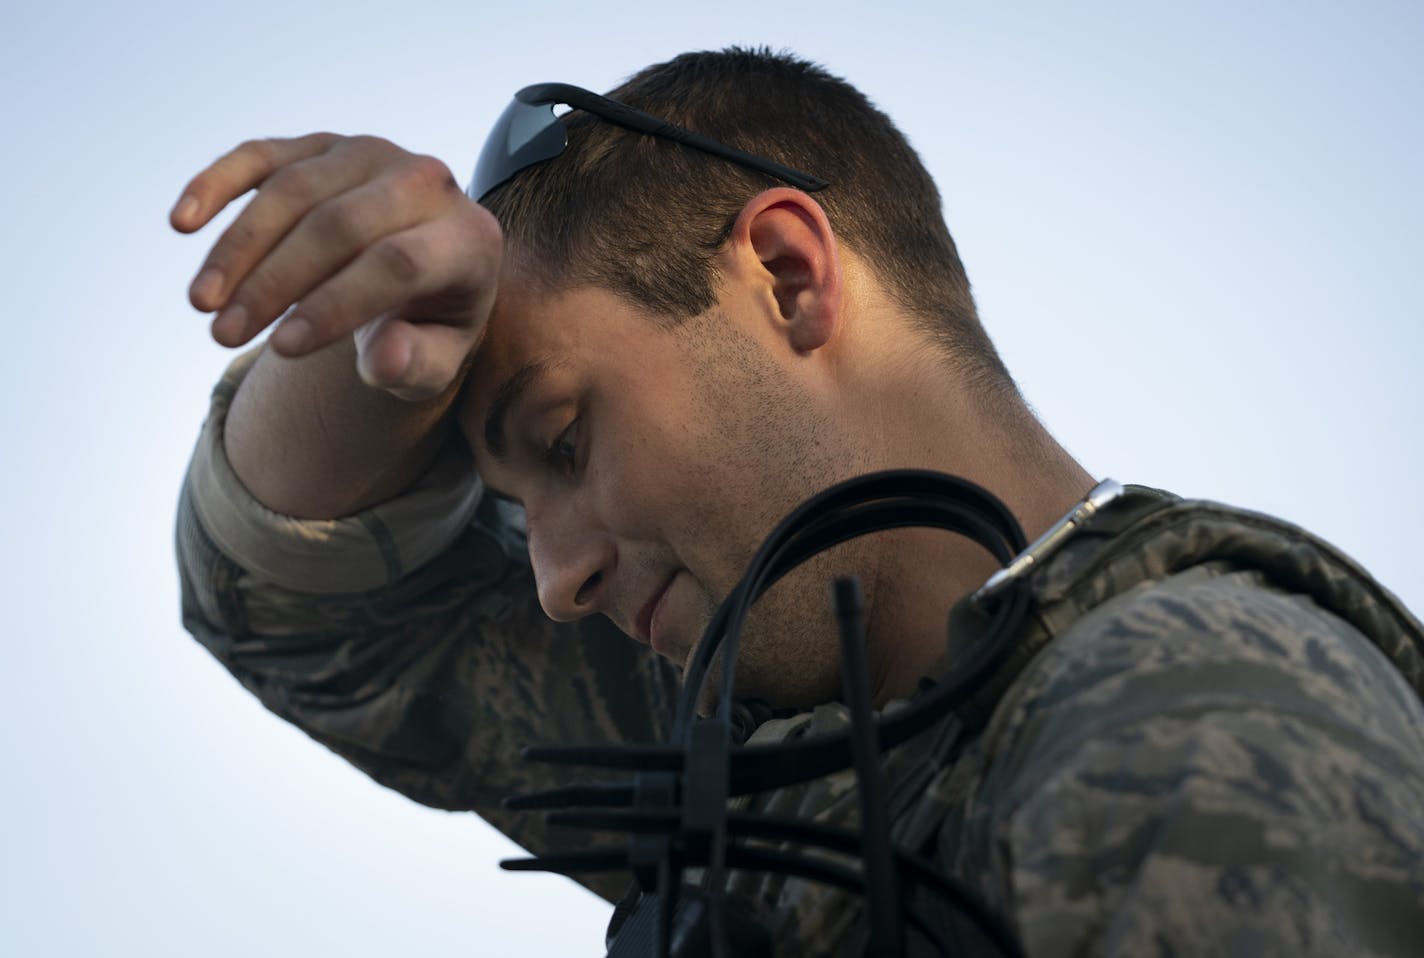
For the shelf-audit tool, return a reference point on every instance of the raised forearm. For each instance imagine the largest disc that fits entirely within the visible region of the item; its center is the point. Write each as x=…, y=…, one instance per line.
x=309, y=438
x=376, y=276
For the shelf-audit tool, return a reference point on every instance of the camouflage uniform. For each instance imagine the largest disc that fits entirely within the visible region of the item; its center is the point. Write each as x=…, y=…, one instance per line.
x=1210, y=740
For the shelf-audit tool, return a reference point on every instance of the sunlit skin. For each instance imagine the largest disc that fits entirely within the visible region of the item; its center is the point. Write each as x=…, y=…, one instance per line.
x=691, y=439
x=653, y=457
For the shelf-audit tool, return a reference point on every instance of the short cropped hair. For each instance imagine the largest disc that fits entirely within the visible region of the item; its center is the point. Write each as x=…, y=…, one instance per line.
x=644, y=217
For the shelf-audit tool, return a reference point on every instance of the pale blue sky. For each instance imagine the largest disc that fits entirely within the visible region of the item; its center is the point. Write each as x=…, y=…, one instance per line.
x=1194, y=231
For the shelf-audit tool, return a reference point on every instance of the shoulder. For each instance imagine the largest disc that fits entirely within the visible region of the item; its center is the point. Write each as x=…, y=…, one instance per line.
x=1202, y=759
x=1209, y=640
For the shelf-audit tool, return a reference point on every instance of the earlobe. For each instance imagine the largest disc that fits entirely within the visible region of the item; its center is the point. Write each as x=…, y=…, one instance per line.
x=783, y=242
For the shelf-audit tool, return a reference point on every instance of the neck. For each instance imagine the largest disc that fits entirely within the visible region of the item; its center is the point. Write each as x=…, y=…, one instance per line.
x=924, y=416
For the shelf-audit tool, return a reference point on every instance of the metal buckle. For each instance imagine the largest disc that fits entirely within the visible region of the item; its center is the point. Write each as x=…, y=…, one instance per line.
x=1050, y=542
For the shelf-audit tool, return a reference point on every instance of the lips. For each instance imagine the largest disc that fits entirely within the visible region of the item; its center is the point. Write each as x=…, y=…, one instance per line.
x=643, y=625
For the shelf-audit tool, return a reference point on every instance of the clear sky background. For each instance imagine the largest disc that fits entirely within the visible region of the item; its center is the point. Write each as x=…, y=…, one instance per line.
x=1194, y=231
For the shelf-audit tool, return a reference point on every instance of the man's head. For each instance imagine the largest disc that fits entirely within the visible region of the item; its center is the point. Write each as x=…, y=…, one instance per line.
x=644, y=216
x=682, y=350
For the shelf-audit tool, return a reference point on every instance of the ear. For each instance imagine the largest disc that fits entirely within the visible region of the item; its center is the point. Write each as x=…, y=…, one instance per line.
x=782, y=247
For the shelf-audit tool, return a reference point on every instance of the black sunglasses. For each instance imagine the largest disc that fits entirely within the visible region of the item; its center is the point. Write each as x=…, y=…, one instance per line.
x=528, y=132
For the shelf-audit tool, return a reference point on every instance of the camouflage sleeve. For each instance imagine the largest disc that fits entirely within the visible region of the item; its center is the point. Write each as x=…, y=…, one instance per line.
x=1205, y=766
x=408, y=638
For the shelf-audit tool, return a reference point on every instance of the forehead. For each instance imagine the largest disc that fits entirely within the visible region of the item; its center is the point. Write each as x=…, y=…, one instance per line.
x=552, y=329
x=570, y=339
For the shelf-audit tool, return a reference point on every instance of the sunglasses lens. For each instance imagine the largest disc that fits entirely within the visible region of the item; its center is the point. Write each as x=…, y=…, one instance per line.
x=525, y=134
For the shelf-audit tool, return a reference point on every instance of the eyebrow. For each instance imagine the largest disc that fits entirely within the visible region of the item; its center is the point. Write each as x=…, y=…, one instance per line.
x=504, y=399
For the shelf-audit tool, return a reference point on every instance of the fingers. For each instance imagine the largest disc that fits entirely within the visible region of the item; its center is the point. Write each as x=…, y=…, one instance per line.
x=235, y=173
x=286, y=194
x=437, y=279
x=361, y=236
x=282, y=246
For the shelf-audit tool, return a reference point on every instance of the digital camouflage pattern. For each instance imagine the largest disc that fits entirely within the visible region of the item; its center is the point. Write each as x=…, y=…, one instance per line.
x=434, y=683
x=1210, y=742
x=1211, y=756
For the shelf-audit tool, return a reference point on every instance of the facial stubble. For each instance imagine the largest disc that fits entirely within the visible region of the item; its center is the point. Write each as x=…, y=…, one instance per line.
x=775, y=447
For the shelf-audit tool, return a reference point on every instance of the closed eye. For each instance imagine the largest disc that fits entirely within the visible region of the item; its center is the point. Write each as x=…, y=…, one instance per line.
x=562, y=454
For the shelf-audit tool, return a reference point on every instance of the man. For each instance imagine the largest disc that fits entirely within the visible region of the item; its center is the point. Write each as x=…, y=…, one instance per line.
x=627, y=362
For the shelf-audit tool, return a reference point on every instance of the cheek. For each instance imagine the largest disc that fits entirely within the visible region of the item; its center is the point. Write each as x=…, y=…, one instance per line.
x=705, y=471
x=682, y=489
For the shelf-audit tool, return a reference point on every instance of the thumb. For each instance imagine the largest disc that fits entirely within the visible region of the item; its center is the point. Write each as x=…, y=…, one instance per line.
x=412, y=361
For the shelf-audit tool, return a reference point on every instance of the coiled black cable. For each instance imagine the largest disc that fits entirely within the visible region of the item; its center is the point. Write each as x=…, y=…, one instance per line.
x=683, y=786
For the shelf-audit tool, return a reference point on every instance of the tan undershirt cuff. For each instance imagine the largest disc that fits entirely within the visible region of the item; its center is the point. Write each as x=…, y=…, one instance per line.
x=358, y=553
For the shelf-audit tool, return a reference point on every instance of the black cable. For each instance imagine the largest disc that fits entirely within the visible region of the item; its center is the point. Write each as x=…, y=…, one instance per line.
x=911, y=867
x=887, y=938
x=824, y=531
x=933, y=499
x=684, y=785
x=760, y=767
x=775, y=861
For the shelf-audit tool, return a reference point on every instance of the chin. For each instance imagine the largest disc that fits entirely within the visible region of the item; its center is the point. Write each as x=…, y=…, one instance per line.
x=787, y=657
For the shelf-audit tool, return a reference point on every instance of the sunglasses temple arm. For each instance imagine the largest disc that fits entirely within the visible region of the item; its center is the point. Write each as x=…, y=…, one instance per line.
x=640, y=122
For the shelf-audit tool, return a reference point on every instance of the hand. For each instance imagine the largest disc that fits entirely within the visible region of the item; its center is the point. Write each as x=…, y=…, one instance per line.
x=347, y=235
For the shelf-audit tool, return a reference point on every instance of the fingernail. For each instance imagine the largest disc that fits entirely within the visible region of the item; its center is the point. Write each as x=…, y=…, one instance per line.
x=230, y=325
x=207, y=287
x=186, y=209
x=292, y=336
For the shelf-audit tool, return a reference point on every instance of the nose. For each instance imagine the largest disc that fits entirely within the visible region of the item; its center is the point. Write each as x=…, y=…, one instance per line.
x=573, y=564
